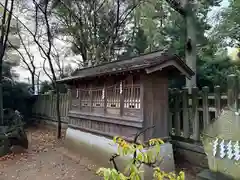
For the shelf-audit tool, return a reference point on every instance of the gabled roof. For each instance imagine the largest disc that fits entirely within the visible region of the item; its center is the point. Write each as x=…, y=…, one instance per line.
x=149, y=62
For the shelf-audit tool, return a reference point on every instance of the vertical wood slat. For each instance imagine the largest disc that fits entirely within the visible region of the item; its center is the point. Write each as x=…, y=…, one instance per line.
x=66, y=107
x=195, y=102
x=141, y=99
x=42, y=105
x=205, y=105
x=105, y=99
x=170, y=114
x=80, y=98
x=232, y=92
x=177, y=123
x=49, y=105
x=217, y=96
x=91, y=99
x=186, y=123
x=45, y=105
x=54, y=105
x=69, y=95
x=61, y=104
x=122, y=100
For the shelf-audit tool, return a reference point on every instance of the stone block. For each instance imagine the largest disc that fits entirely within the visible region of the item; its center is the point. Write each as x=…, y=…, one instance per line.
x=209, y=175
x=100, y=149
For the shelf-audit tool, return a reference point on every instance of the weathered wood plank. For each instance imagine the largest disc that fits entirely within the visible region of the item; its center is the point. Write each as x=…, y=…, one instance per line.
x=232, y=92
x=105, y=98
x=196, y=127
x=217, y=95
x=186, y=124
x=177, y=123
x=206, y=117
x=121, y=98
x=91, y=99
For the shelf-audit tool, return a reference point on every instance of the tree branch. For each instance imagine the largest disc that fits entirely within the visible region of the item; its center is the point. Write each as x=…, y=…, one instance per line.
x=25, y=48
x=45, y=71
x=8, y=26
x=3, y=28
x=23, y=58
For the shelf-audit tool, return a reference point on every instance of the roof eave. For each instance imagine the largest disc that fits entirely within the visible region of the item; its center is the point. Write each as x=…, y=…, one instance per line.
x=177, y=63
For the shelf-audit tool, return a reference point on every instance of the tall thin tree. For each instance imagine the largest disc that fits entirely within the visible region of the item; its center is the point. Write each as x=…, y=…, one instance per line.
x=5, y=29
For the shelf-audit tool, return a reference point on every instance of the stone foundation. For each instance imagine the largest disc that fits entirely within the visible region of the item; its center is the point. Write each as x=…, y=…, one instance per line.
x=100, y=149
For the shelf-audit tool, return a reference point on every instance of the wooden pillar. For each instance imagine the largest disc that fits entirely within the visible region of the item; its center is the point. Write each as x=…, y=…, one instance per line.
x=51, y=104
x=196, y=127
x=105, y=99
x=177, y=123
x=170, y=114
x=91, y=99
x=206, y=118
x=69, y=95
x=80, y=98
x=217, y=95
x=186, y=123
x=233, y=92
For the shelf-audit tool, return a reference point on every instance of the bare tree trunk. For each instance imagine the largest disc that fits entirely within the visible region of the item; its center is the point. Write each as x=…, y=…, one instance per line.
x=33, y=81
x=48, y=56
x=3, y=40
x=38, y=83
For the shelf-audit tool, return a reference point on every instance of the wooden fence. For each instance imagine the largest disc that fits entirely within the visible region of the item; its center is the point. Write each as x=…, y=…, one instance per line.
x=45, y=107
x=189, y=113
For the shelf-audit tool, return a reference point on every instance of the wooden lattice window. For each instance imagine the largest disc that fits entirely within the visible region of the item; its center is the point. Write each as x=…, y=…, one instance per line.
x=98, y=98
x=113, y=96
x=85, y=97
x=132, y=96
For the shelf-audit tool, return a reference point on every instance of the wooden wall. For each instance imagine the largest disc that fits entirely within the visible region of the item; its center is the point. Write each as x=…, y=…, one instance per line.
x=155, y=104
x=108, y=106
x=116, y=97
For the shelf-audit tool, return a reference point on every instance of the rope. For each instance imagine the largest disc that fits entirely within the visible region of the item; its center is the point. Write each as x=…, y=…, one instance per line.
x=108, y=87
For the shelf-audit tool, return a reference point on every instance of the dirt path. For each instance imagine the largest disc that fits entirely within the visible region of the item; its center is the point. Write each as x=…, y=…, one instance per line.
x=46, y=159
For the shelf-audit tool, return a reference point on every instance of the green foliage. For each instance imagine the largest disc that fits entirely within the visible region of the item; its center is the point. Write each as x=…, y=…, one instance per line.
x=227, y=30
x=97, y=27
x=45, y=87
x=149, y=26
x=16, y=94
x=141, y=155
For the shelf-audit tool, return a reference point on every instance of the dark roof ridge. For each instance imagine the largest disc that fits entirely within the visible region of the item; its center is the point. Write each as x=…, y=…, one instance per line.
x=166, y=52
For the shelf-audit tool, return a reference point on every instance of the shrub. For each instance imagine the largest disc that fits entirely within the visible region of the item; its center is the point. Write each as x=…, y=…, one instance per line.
x=141, y=156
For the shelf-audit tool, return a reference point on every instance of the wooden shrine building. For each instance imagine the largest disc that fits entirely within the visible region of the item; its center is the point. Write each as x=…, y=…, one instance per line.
x=122, y=97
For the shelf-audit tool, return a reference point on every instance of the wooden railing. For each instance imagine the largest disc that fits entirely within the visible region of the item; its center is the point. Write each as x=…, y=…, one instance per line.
x=190, y=113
